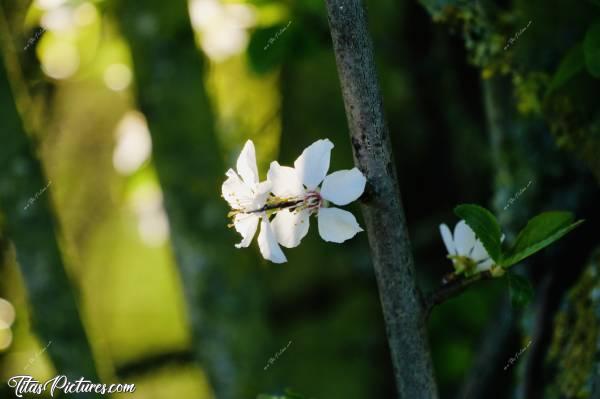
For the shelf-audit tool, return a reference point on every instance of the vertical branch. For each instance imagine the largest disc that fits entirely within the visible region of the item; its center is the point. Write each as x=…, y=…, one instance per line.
x=384, y=217
x=171, y=93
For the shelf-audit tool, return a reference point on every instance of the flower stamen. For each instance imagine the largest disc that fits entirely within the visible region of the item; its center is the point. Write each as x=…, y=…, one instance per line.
x=313, y=200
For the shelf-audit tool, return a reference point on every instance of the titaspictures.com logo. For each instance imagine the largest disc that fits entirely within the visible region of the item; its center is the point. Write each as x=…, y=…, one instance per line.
x=23, y=384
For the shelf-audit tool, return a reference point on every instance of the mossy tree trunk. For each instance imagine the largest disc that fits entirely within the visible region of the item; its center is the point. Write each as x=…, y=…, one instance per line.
x=28, y=220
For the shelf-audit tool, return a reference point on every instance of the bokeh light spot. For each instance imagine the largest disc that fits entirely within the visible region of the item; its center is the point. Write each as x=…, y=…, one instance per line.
x=85, y=14
x=7, y=313
x=134, y=144
x=6, y=338
x=60, y=59
x=117, y=77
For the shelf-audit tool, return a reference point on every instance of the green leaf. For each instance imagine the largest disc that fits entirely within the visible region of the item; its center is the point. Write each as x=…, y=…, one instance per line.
x=520, y=289
x=540, y=232
x=572, y=64
x=485, y=226
x=591, y=49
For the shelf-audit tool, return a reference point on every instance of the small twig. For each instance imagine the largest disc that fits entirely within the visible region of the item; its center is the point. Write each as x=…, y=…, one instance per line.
x=453, y=288
x=282, y=205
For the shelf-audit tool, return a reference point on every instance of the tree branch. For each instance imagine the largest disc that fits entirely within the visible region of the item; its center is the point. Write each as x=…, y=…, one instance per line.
x=452, y=289
x=383, y=213
x=51, y=294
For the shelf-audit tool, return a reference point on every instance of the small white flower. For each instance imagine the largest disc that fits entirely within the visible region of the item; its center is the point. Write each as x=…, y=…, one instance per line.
x=247, y=197
x=299, y=187
x=466, y=251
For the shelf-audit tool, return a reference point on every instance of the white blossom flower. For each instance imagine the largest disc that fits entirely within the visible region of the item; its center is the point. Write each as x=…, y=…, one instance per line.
x=466, y=251
x=247, y=197
x=298, y=190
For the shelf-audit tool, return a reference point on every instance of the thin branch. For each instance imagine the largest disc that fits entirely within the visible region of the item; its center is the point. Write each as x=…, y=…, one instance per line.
x=452, y=289
x=383, y=212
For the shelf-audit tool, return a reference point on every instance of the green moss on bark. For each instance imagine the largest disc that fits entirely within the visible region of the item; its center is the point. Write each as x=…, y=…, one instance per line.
x=575, y=346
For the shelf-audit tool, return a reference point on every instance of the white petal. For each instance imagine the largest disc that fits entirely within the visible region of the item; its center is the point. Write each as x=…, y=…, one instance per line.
x=267, y=243
x=313, y=164
x=290, y=227
x=479, y=253
x=344, y=186
x=261, y=193
x=337, y=225
x=285, y=181
x=237, y=193
x=447, y=238
x=246, y=225
x=246, y=164
x=464, y=238
x=486, y=265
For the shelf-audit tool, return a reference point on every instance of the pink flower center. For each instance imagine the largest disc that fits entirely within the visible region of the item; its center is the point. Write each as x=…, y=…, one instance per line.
x=313, y=200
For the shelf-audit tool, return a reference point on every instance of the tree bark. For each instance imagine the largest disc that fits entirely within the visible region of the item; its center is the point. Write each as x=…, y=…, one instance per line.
x=400, y=297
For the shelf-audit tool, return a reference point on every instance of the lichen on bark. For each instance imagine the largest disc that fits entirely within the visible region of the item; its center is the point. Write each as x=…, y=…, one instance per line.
x=574, y=354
